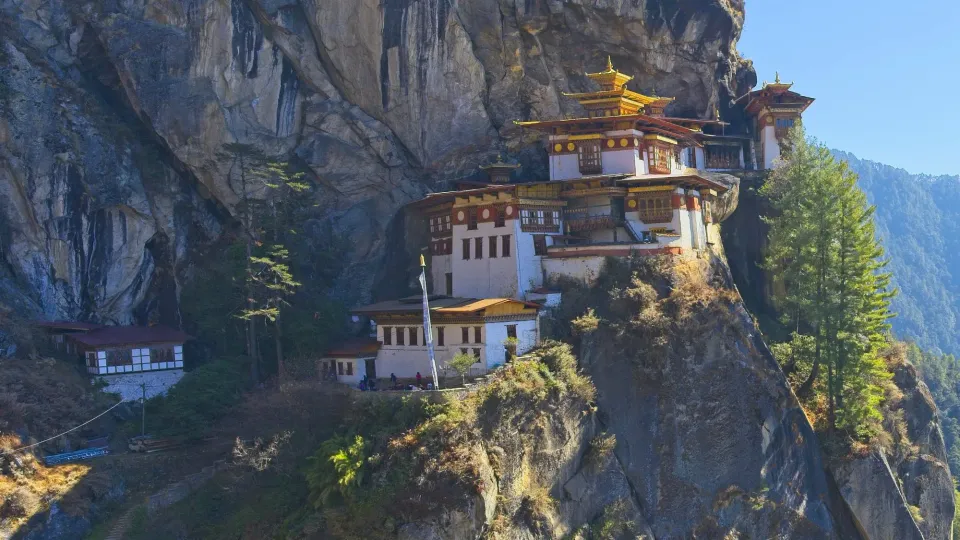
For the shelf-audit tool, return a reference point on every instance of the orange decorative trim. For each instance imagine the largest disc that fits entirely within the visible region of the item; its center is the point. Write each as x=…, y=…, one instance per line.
x=693, y=203
x=676, y=201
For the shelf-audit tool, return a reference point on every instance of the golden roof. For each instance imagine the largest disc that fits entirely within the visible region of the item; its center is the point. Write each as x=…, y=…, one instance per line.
x=610, y=78
x=500, y=164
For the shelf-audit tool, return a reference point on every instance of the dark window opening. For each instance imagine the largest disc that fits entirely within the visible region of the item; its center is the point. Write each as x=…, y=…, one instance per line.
x=464, y=335
x=413, y=335
x=466, y=249
x=387, y=335
x=493, y=247
x=476, y=334
x=472, y=219
x=506, y=245
x=589, y=155
x=540, y=244
x=440, y=336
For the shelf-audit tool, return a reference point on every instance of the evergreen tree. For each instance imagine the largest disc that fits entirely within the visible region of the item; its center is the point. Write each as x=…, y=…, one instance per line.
x=829, y=284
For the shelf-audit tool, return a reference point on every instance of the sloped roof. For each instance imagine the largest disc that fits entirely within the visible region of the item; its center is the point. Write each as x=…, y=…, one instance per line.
x=130, y=335
x=355, y=348
x=438, y=304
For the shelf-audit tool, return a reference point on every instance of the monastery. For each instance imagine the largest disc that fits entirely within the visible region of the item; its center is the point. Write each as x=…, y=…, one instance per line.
x=625, y=179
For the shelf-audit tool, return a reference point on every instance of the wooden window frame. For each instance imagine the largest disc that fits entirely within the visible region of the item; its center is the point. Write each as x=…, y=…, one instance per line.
x=448, y=282
x=651, y=212
x=492, y=247
x=464, y=334
x=505, y=247
x=478, y=248
x=401, y=341
x=473, y=219
x=466, y=249
x=412, y=334
x=660, y=158
x=387, y=335
x=589, y=156
x=501, y=220
x=477, y=334
x=440, y=336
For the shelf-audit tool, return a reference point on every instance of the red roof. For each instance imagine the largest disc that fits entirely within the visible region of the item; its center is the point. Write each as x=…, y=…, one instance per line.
x=130, y=335
x=67, y=325
x=355, y=348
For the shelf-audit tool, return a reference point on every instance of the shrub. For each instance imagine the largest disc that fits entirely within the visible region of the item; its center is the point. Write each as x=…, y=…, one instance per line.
x=586, y=323
x=601, y=447
x=202, y=397
x=461, y=363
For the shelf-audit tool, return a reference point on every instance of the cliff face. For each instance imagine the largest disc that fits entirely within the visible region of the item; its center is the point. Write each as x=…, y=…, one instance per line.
x=115, y=116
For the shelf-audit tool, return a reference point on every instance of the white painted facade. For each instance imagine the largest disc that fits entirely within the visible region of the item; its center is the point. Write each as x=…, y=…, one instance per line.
x=161, y=357
x=770, y=145
x=486, y=276
x=406, y=360
x=440, y=266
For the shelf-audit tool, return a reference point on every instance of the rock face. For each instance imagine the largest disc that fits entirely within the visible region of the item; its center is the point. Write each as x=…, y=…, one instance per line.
x=115, y=119
x=712, y=439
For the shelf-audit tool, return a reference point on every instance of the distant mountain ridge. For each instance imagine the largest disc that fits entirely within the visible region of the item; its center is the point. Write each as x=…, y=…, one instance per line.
x=919, y=224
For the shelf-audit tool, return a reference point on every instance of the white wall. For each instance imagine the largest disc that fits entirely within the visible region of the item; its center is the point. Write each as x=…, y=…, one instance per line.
x=586, y=269
x=771, y=147
x=530, y=271
x=497, y=333
x=439, y=266
x=487, y=277
x=128, y=384
x=142, y=361
x=359, y=369
x=564, y=166
x=406, y=360
x=621, y=161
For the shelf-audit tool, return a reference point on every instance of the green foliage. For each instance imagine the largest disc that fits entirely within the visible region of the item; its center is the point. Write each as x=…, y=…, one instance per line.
x=586, y=323
x=614, y=523
x=269, y=284
x=828, y=262
x=461, y=363
x=337, y=469
x=202, y=397
x=211, y=300
x=941, y=373
x=919, y=223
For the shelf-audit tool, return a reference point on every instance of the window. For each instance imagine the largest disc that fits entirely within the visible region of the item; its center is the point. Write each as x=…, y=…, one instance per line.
x=387, y=335
x=540, y=244
x=589, y=154
x=511, y=331
x=340, y=368
x=449, y=283
x=400, y=336
x=471, y=219
x=547, y=220
x=440, y=225
x=493, y=247
x=660, y=157
x=463, y=350
x=440, y=336
x=476, y=334
x=478, y=248
x=464, y=335
x=466, y=249
x=349, y=368
x=722, y=157
x=141, y=356
x=91, y=359
x=505, y=252
x=501, y=220
x=476, y=354
x=413, y=335
x=119, y=357
x=655, y=208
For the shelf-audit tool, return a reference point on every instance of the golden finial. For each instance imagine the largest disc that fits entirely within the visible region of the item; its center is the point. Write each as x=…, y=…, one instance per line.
x=423, y=263
x=717, y=111
x=777, y=80
x=609, y=63
x=653, y=93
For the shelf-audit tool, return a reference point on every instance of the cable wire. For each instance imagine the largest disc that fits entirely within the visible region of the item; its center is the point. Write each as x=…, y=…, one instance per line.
x=64, y=433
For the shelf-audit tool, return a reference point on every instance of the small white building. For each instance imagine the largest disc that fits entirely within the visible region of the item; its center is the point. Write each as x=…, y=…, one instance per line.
x=493, y=330
x=131, y=360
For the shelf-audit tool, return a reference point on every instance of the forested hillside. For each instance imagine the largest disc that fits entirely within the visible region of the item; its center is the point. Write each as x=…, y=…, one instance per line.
x=919, y=226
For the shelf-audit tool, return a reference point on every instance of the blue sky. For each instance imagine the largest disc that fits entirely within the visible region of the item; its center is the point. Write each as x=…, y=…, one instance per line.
x=886, y=75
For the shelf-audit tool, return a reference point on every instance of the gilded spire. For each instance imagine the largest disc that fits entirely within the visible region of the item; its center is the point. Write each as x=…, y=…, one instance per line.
x=609, y=63
x=777, y=80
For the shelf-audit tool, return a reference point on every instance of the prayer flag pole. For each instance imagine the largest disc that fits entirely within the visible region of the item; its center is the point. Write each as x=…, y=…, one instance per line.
x=427, y=329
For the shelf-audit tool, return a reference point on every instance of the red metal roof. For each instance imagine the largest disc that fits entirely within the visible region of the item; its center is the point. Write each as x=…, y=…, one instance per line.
x=130, y=335
x=355, y=348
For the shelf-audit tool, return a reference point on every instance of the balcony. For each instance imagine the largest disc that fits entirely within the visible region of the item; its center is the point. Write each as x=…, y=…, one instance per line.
x=584, y=220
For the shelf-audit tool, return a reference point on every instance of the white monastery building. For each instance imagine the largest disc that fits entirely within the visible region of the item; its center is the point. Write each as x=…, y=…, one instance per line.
x=625, y=179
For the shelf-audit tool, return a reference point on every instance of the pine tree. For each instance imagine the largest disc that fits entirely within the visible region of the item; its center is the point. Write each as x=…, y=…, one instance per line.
x=831, y=287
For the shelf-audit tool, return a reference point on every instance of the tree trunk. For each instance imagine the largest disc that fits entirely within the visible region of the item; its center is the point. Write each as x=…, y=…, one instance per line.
x=278, y=339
